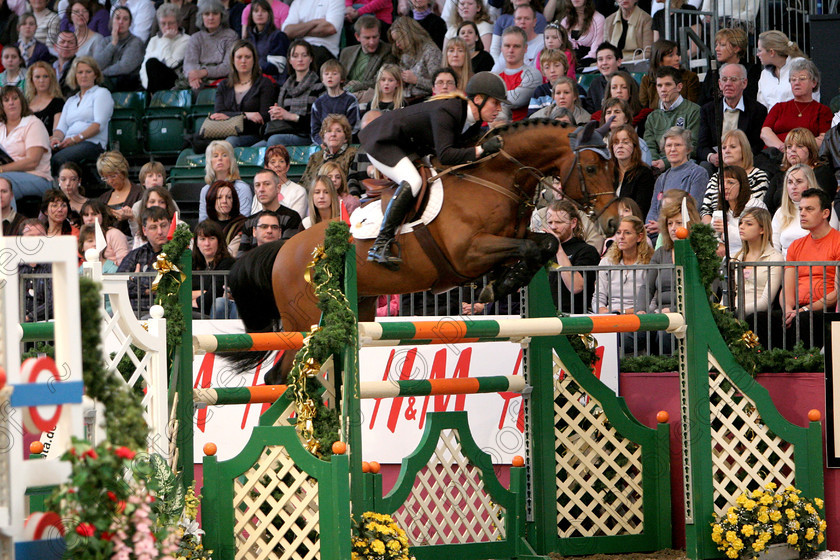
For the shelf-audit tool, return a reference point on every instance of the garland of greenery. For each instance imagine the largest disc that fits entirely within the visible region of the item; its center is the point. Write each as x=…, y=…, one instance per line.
x=317, y=424
x=124, y=420
x=169, y=284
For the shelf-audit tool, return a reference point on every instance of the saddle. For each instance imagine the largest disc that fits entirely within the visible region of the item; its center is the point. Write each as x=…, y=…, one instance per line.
x=383, y=190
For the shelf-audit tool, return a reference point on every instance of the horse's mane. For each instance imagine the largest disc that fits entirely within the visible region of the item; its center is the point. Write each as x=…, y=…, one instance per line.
x=527, y=123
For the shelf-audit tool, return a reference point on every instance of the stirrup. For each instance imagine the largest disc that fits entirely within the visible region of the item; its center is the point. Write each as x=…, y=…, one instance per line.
x=381, y=253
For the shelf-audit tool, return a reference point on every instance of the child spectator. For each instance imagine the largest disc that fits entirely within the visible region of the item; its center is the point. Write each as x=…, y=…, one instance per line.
x=553, y=65
x=334, y=101
x=152, y=174
x=556, y=37
x=388, y=93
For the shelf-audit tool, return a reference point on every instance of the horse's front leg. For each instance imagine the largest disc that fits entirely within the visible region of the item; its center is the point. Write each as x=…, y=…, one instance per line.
x=533, y=252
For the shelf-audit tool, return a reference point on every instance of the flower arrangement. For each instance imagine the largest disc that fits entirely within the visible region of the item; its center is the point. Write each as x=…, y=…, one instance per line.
x=191, y=547
x=379, y=538
x=765, y=517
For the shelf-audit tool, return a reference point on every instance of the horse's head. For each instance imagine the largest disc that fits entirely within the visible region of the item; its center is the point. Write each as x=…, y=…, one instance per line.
x=589, y=178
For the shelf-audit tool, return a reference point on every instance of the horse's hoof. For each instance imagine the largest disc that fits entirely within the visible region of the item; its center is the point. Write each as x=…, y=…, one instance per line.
x=486, y=295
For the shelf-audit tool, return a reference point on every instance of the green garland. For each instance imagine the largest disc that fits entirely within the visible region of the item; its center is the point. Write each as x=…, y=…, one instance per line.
x=338, y=331
x=168, y=287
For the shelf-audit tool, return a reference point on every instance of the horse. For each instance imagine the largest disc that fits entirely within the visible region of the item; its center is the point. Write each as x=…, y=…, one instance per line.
x=481, y=228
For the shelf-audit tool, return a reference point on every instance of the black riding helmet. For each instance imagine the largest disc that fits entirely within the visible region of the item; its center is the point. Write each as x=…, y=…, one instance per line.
x=489, y=85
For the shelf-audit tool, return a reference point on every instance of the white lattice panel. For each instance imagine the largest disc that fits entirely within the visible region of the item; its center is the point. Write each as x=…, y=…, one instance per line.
x=281, y=527
x=745, y=454
x=448, y=503
x=599, y=473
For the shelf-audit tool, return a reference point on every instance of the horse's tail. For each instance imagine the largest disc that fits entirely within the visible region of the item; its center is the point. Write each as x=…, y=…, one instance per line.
x=252, y=290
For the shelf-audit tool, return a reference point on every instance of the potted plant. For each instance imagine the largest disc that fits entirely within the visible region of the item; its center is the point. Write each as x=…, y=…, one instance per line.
x=378, y=537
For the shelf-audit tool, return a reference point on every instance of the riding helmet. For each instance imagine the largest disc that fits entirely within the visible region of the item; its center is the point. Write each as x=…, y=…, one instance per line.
x=487, y=83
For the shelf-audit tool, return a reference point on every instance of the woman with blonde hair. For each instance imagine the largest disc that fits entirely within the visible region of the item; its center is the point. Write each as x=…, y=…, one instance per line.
x=786, y=226
x=736, y=152
x=777, y=53
x=616, y=290
x=323, y=202
x=456, y=56
x=339, y=179
x=388, y=93
x=800, y=147
x=565, y=94
x=417, y=54
x=44, y=94
x=220, y=165
x=473, y=11
x=122, y=193
x=762, y=282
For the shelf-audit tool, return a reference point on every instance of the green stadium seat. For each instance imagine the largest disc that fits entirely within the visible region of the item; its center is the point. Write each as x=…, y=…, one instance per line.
x=125, y=130
x=165, y=122
x=584, y=80
x=638, y=76
x=298, y=158
x=205, y=101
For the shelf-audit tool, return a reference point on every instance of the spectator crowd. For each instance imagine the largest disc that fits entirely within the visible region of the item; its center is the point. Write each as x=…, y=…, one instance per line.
x=309, y=73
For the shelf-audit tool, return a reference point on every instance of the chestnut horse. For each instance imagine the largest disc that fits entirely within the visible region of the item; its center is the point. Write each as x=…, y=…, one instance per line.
x=481, y=228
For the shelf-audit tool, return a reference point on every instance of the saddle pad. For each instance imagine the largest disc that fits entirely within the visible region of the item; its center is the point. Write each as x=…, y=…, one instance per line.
x=366, y=221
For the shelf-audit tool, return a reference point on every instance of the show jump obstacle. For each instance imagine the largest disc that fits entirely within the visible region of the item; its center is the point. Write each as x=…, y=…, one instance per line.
x=595, y=479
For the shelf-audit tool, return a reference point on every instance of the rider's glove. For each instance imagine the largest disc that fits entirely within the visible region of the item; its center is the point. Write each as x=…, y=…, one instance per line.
x=492, y=146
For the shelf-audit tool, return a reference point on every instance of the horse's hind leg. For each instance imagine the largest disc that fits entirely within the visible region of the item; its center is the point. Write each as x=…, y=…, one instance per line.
x=543, y=247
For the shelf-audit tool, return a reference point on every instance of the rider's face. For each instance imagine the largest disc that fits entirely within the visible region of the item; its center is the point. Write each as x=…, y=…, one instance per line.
x=492, y=108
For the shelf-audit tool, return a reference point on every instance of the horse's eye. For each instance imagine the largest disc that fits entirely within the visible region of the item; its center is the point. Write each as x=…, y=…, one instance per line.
x=591, y=169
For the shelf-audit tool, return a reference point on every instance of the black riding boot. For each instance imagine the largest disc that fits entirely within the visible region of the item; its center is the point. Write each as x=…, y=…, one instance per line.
x=511, y=280
x=398, y=207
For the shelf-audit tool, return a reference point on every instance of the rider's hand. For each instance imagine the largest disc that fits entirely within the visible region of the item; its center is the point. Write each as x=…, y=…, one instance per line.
x=492, y=146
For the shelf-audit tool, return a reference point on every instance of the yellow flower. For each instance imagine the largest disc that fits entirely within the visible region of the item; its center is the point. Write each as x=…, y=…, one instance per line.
x=792, y=538
x=819, y=502
x=770, y=486
x=394, y=545
x=731, y=536
x=766, y=499
x=758, y=546
x=741, y=500
x=763, y=517
x=747, y=530
x=717, y=529
x=820, y=538
x=822, y=525
x=716, y=538
x=794, y=498
x=732, y=553
x=810, y=509
x=738, y=544
x=777, y=529
x=765, y=536
x=378, y=546
x=790, y=513
x=757, y=493
x=732, y=518
x=775, y=515
x=749, y=505
x=809, y=534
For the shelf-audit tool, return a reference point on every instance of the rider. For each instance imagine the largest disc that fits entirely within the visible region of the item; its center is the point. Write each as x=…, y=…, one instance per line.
x=438, y=126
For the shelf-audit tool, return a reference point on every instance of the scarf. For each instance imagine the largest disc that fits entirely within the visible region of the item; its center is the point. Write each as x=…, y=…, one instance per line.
x=25, y=47
x=329, y=156
x=419, y=16
x=298, y=97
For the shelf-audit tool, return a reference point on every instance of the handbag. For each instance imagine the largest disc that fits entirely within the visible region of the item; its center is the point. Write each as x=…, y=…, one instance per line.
x=279, y=127
x=218, y=130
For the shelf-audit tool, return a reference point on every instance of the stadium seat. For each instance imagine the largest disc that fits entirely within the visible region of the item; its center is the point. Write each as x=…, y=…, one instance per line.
x=638, y=76
x=186, y=195
x=205, y=101
x=165, y=122
x=298, y=158
x=125, y=131
x=584, y=80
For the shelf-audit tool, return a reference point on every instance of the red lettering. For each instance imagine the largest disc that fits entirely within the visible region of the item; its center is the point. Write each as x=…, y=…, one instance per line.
x=204, y=379
x=384, y=378
x=405, y=374
x=508, y=396
x=462, y=370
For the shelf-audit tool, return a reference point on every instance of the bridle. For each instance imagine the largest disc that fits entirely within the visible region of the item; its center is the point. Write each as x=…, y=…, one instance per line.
x=587, y=205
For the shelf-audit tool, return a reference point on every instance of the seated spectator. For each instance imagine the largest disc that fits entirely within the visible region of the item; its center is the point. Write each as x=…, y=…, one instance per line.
x=55, y=208
x=121, y=56
x=505, y=19
x=811, y=290
x=142, y=17
x=336, y=133
x=591, y=231
x=616, y=291
x=634, y=178
x=234, y=9
x=44, y=94
x=37, y=292
x=8, y=24
x=89, y=24
x=291, y=115
x=278, y=12
x=444, y=81
x=455, y=57
x=364, y=61
x=429, y=21
x=152, y=174
x=586, y=30
x=164, y=58
x=553, y=65
x=732, y=47
x=220, y=165
x=319, y=24
x=574, y=288
x=480, y=59
x=117, y=247
x=801, y=111
x=736, y=152
x=565, y=95
x=626, y=207
x=155, y=224
x=739, y=113
x=9, y=217
x=323, y=202
x=556, y=38
x=617, y=112
x=667, y=54
x=185, y=17
x=673, y=111
x=266, y=191
x=47, y=22
x=339, y=178
x=271, y=44
x=418, y=56
x=683, y=174
x=524, y=18
x=267, y=228
x=82, y=131
x=87, y=240
x=520, y=79
x=122, y=193
x=210, y=254
x=761, y=283
x=31, y=49
x=736, y=198
x=222, y=203
x=621, y=85
x=70, y=183
x=608, y=61
x=388, y=93
x=292, y=195
x=65, y=49
x=245, y=92
x=335, y=101
x=630, y=28
x=800, y=147
x=776, y=53
x=14, y=73
x=153, y=196
x=206, y=58
x=475, y=12
x=25, y=139
x=787, y=226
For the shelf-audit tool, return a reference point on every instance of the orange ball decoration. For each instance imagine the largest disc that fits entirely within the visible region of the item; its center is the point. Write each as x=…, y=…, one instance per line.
x=36, y=447
x=662, y=416
x=210, y=448
x=682, y=233
x=374, y=467
x=365, y=467
x=518, y=461
x=814, y=415
x=339, y=448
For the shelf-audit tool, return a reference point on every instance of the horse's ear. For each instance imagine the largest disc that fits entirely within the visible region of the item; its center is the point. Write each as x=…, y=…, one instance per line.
x=605, y=129
x=586, y=135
